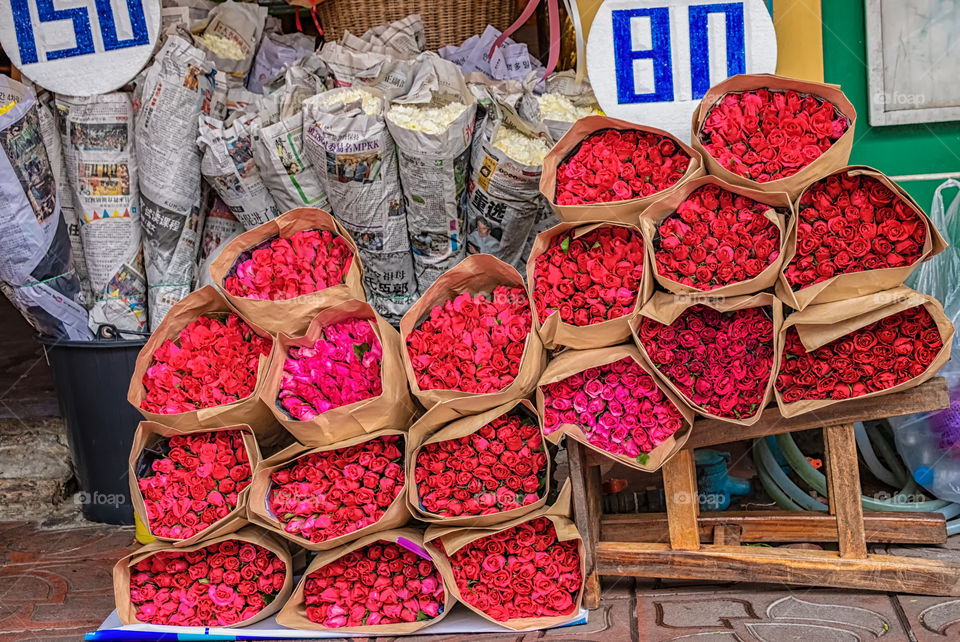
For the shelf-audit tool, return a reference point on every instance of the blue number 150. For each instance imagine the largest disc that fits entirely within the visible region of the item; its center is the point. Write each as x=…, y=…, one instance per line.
x=81, y=28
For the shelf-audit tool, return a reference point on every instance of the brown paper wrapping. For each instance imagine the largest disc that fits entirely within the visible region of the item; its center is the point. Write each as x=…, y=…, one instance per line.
x=667, y=308
x=573, y=361
x=251, y=534
x=556, y=333
x=258, y=510
x=294, y=613
x=475, y=274
x=621, y=211
x=392, y=408
x=856, y=284
x=435, y=426
x=818, y=325
x=654, y=215
x=250, y=411
x=149, y=433
x=454, y=538
x=289, y=316
x=836, y=156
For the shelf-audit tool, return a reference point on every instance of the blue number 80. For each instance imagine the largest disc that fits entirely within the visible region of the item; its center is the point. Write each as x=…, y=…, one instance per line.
x=81, y=28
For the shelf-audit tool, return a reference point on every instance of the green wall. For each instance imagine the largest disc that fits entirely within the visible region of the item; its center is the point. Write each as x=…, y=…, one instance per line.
x=904, y=149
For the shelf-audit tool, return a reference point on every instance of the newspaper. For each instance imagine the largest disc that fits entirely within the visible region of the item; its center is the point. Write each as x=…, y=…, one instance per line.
x=101, y=172
x=381, y=71
x=276, y=51
x=546, y=218
x=229, y=168
x=404, y=38
x=183, y=12
x=503, y=192
x=433, y=170
x=510, y=61
x=278, y=143
x=580, y=94
x=219, y=228
x=356, y=156
x=36, y=267
x=175, y=90
x=231, y=34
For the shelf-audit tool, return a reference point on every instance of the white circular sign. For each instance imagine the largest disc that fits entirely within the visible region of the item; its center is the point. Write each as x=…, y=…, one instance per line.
x=651, y=61
x=79, y=48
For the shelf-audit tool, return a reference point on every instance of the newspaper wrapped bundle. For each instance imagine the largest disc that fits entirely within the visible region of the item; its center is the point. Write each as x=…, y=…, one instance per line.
x=433, y=125
x=565, y=101
x=36, y=265
x=618, y=432
x=330, y=608
x=353, y=152
x=151, y=443
x=393, y=407
x=276, y=51
x=126, y=579
x=230, y=35
x=839, y=340
x=444, y=424
x=531, y=607
x=315, y=520
x=290, y=316
x=174, y=92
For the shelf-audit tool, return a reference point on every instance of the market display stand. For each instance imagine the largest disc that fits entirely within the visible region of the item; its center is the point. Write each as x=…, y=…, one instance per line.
x=670, y=546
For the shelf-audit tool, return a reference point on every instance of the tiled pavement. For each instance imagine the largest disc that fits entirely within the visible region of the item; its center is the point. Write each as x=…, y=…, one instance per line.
x=56, y=585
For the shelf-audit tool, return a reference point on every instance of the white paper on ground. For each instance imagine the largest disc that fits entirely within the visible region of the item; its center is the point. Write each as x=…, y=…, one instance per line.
x=460, y=621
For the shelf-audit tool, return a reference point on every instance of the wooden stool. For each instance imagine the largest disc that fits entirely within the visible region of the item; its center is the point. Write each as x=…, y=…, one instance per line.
x=669, y=546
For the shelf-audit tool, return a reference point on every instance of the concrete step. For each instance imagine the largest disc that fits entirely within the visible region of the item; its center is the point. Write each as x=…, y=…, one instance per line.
x=36, y=474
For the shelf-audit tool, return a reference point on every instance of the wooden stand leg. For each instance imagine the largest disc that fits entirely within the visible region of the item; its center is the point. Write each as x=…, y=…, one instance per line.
x=843, y=485
x=680, y=490
x=587, y=507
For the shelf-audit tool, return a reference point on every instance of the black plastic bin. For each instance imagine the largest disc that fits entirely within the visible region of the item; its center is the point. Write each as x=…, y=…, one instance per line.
x=91, y=379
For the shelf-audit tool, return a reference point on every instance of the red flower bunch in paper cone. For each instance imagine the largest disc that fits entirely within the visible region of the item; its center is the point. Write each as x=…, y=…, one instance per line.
x=618, y=406
x=589, y=279
x=472, y=343
x=520, y=572
x=329, y=494
x=848, y=223
x=381, y=583
x=716, y=238
x=194, y=483
x=619, y=165
x=213, y=362
x=500, y=467
x=720, y=361
x=284, y=268
x=766, y=135
x=884, y=354
x=220, y=585
x=342, y=367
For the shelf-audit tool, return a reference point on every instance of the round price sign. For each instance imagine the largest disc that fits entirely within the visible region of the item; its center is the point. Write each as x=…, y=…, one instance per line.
x=79, y=47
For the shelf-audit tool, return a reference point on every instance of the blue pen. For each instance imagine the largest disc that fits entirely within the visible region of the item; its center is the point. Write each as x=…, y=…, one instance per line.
x=112, y=635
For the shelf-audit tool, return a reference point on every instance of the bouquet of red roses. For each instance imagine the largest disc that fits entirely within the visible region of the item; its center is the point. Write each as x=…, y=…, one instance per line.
x=280, y=274
x=773, y=133
x=229, y=581
x=586, y=282
x=469, y=337
x=856, y=232
x=523, y=574
x=609, y=169
x=718, y=356
x=202, y=367
x=709, y=236
x=382, y=584
x=323, y=497
x=607, y=399
x=343, y=378
x=188, y=486
x=480, y=469
x=867, y=346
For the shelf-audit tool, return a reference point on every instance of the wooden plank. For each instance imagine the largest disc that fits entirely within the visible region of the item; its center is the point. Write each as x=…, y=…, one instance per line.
x=587, y=508
x=782, y=566
x=932, y=395
x=680, y=492
x=781, y=526
x=843, y=486
x=726, y=535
